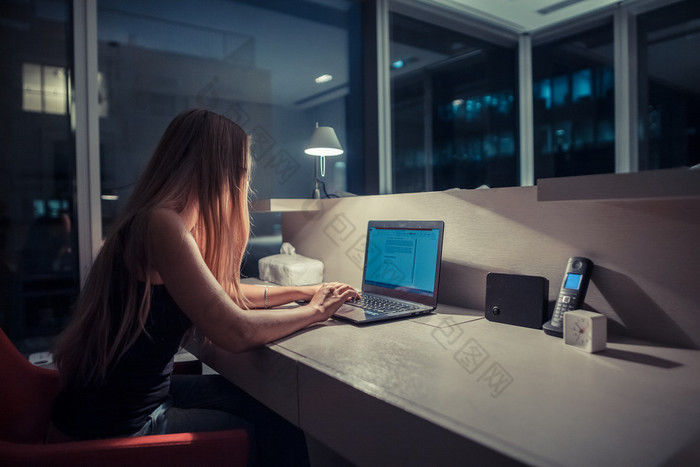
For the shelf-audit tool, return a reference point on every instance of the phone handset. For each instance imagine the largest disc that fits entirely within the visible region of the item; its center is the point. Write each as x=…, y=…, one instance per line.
x=572, y=293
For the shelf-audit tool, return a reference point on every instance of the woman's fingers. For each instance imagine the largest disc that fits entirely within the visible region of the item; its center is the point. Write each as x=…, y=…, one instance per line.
x=338, y=288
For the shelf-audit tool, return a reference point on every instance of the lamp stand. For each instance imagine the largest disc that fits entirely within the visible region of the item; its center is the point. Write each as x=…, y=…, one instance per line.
x=317, y=192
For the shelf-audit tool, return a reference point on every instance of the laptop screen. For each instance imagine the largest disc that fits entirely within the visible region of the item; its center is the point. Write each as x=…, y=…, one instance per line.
x=402, y=259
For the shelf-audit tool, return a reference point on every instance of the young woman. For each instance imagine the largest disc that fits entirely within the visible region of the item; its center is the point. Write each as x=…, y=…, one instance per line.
x=171, y=262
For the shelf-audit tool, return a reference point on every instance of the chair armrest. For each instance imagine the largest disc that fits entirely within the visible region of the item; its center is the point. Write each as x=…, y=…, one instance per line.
x=189, y=367
x=186, y=364
x=212, y=448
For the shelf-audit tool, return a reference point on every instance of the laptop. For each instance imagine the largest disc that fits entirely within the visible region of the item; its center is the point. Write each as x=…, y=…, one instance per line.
x=401, y=271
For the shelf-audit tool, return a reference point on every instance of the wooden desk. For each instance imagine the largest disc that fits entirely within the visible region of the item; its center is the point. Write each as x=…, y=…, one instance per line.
x=453, y=388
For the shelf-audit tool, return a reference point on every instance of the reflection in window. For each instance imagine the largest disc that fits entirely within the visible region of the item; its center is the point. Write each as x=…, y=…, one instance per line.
x=573, y=105
x=581, y=85
x=256, y=62
x=454, y=109
x=44, y=89
x=669, y=86
x=38, y=262
x=560, y=90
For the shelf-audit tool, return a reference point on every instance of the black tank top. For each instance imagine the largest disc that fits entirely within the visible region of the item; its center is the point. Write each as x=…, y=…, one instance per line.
x=134, y=386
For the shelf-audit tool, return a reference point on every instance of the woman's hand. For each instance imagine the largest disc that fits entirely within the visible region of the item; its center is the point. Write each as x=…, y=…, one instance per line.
x=331, y=296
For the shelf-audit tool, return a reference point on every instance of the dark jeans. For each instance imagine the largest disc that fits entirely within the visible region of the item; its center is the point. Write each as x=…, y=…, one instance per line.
x=211, y=402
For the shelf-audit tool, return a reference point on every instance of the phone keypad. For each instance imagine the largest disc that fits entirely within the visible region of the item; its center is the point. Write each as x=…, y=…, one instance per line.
x=564, y=303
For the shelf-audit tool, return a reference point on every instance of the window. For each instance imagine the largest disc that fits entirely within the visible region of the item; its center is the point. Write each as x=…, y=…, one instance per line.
x=44, y=89
x=38, y=272
x=454, y=109
x=574, y=104
x=669, y=86
x=256, y=62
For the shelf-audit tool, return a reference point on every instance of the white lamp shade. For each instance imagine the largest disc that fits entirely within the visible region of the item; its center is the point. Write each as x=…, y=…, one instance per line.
x=324, y=142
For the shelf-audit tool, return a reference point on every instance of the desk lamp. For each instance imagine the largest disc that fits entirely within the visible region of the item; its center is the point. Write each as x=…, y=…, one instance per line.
x=324, y=142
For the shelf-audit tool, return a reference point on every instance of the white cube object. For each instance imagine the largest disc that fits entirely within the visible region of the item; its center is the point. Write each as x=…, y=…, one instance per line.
x=586, y=330
x=289, y=268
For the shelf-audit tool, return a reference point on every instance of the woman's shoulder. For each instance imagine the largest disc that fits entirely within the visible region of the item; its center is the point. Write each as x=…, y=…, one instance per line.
x=152, y=224
x=164, y=219
x=167, y=231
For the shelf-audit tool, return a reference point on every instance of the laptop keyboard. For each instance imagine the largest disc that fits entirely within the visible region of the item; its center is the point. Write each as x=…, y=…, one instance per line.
x=381, y=305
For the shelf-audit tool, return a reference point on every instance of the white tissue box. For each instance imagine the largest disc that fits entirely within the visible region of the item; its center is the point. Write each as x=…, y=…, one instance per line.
x=289, y=268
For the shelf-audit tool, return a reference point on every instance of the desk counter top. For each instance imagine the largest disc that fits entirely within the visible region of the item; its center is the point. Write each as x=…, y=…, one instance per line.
x=452, y=386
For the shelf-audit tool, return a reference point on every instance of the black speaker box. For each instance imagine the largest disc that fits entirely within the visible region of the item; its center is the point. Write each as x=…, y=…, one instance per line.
x=516, y=299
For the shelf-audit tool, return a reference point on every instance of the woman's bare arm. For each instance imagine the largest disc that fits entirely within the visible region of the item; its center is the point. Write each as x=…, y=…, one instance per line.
x=277, y=295
x=176, y=257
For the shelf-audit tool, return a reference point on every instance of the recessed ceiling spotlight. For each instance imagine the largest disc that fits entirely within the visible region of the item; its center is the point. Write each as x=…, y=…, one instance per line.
x=323, y=79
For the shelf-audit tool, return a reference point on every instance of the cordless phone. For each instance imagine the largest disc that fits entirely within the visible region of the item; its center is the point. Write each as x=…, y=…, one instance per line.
x=572, y=293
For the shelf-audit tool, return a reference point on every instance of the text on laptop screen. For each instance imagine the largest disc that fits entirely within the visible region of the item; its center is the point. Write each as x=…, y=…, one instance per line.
x=402, y=259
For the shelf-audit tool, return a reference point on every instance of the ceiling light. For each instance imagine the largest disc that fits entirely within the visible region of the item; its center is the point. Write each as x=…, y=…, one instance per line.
x=323, y=79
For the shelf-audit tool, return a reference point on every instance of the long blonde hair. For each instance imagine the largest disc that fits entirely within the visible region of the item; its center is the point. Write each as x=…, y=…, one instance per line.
x=202, y=158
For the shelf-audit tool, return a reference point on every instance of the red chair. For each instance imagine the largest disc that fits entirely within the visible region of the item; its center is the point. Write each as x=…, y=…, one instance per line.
x=26, y=395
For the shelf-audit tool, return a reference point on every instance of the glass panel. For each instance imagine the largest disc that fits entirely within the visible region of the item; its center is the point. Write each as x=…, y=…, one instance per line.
x=454, y=109
x=31, y=87
x=574, y=104
x=253, y=61
x=55, y=90
x=39, y=268
x=669, y=86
